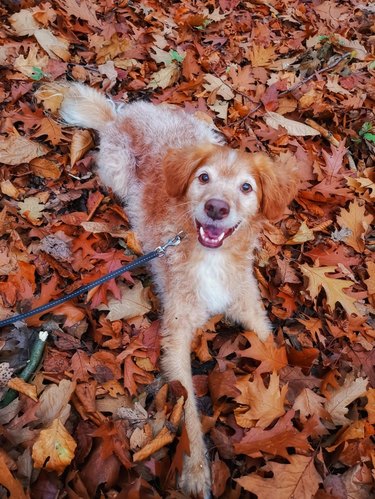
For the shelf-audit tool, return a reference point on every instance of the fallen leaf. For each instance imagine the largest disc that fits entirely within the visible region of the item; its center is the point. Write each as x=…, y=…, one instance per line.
x=55, y=46
x=343, y=396
x=165, y=77
x=54, y=448
x=32, y=65
x=81, y=143
x=31, y=209
x=21, y=386
x=24, y=23
x=271, y=357
x=333, y=287
x=7, y=480
x=358, y=224
x=15, y=150
x=45, y=168
x=293, y=128
x=218, y=87
x=133, y=302
x=299, y=479
x=309, y=403
x=265, y=404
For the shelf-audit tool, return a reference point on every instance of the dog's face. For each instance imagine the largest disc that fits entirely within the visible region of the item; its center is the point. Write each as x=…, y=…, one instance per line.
x=225, y=189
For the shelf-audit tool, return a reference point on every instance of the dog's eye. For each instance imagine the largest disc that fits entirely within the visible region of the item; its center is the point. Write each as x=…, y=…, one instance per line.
x=246, y=187
x=203, y=178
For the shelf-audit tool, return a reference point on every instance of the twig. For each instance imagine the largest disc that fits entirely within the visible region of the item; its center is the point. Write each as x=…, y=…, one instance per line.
x=329, y=136
x=35, y=356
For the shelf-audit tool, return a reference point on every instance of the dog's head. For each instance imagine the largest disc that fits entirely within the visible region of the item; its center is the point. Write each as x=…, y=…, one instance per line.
x=225, y=189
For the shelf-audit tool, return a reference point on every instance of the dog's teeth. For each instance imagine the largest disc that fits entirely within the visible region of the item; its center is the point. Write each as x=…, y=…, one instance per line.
x=201, y=232
x=221, y=237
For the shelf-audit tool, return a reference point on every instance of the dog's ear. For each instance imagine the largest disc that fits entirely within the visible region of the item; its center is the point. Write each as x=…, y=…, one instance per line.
x=179, y=166
x=277, y=184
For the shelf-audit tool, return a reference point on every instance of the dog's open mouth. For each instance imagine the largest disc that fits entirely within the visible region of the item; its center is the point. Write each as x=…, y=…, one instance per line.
x=212, y=236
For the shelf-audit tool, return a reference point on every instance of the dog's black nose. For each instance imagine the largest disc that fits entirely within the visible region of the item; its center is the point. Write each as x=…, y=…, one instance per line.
x=216, y=209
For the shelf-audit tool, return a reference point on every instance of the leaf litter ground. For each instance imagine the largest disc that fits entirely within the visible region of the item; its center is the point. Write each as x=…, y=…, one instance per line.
x=292, y=417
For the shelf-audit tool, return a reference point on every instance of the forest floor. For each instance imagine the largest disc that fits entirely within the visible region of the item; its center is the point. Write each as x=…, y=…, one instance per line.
x=292, y=417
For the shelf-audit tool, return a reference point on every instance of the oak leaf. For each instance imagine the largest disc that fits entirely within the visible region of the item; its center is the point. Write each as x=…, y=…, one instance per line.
x=7, y=480
x=23, y=22
x=45, y=168
x=357, y=222
x=299, y=479
x=271, y=357
x=54, y=448
x=343, y=396
x=218, y=87
x=261, y=56
x=334, y=288
x=32, y=65
x=133, y=302
x=31, y=209
x=275, y=441
x=265, y=404
x=370, y=406
x=309, y=403
x=21, y=386
x=54, y=402
x=165, y=77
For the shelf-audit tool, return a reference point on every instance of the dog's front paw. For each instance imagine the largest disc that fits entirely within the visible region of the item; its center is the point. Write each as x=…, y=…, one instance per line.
x=195, y=479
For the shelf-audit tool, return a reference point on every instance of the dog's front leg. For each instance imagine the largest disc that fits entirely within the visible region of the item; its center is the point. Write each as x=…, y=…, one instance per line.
x=179, y=325
x=247, y=309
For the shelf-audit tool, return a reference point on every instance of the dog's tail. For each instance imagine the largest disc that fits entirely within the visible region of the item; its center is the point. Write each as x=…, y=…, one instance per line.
x=85, y=107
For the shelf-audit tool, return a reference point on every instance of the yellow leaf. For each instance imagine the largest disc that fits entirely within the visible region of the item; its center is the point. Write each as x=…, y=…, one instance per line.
x=264, y=404
x=303, y=234
x=357, y=222
x=54, y=448
x=333, y=287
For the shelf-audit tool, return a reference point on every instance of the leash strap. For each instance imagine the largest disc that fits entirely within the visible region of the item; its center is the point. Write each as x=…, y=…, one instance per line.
x=158, y=252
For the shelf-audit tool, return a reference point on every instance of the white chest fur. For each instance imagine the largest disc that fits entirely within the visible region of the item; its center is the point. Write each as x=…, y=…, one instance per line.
x=213, y=282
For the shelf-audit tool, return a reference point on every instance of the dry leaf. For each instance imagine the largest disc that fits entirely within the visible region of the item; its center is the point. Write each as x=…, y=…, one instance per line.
x=265, y=404
x=45, y=168
x=9, y=189
x=133, y=302
x=81, y=143
x=54, y=448
x=54, y=402
x=357, y=222
x=21, y=386
x=31, y=209
x=261, y=56
x=309, y=403
x=24, y=23
x=343, y=396
x=9, y=482
x=28, y=65
x=294, y=128
x=303, y=234
x=15, y=150
x=271, y=357
x=334, y=288
x=298, y=480
x=55, y=46
x=218, y=87
x=165, y=77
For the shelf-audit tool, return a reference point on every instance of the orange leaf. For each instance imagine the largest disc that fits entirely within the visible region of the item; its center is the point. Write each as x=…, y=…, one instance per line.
x=22, y=387
x=271, y=357
x=54, y=448
x=9, y=482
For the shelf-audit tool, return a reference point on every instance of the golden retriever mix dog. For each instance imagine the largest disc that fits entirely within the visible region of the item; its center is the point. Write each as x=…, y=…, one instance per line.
x=174, y=174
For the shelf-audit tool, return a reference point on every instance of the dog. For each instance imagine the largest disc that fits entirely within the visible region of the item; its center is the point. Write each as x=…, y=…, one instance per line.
x=174, y=173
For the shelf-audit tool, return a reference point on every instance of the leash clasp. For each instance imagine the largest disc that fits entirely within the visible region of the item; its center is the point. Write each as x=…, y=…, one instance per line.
x=175, y=241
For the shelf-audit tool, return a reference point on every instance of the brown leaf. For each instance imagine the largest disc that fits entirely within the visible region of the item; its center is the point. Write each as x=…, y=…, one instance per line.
x=343, y=396
x=9, y=482
x=357, y=222
x=81, y=143
x=298, y=479
x=21, y=386
x=15, y=150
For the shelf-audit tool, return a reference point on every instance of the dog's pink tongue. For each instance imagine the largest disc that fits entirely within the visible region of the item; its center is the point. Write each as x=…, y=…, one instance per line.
x=212, y=231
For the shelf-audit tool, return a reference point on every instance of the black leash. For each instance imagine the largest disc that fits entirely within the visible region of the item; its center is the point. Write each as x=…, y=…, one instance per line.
x=158, y=252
